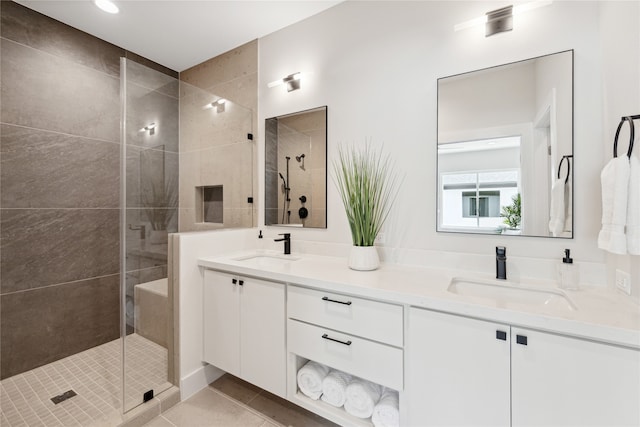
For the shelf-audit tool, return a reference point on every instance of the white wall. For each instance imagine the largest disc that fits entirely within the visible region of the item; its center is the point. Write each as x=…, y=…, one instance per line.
x=376, y=65
x=620, y=43
x=493, y=98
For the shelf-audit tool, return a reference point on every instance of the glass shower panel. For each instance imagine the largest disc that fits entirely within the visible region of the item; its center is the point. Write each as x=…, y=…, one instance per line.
x=216, y=151
x=150, y=164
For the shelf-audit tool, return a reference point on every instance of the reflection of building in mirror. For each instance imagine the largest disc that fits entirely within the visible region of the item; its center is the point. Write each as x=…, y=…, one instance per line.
x=477, y=181
x=476, y=200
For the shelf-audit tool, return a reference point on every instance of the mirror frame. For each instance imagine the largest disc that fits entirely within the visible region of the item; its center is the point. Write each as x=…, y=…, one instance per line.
x=570, y=175
x=269, y=180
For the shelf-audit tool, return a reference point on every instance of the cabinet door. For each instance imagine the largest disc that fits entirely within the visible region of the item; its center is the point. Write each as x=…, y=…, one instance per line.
x=457, y=371
x=561, y=381
x=262, y=342
x=221, y=321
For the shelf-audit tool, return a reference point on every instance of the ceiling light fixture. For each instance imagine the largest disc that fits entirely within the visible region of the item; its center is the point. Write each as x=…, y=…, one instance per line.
x=107, y=6
x=292, y=81
x=500, y=20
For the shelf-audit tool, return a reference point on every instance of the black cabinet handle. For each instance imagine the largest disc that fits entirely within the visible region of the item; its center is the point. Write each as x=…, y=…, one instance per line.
x=234, y=281
x=336, y=301
x=521, y=339
x=501, y=335
x=241, y=282
x=327, y=337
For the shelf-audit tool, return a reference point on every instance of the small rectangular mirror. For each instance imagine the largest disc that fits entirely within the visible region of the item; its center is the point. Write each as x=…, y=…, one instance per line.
x=296, y=169
x=505, y=149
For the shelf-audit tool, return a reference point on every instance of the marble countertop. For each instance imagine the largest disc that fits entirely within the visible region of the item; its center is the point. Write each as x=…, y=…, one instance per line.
x=599, y=314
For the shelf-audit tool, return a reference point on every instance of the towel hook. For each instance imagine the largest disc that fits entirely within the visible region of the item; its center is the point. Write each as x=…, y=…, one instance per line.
x=631, y=138
x=566, y=180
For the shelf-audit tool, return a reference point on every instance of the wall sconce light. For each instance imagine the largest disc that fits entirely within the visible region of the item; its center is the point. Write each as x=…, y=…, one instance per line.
x=501, y=20
x=292, y=81
x=151, y=128
x=219, y=105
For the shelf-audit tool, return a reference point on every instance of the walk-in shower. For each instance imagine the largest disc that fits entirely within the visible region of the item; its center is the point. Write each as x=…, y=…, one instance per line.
x=87, y=312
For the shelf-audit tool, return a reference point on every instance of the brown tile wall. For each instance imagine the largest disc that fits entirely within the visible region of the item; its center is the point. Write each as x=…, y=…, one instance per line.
x=59, y=181
x=212, y=154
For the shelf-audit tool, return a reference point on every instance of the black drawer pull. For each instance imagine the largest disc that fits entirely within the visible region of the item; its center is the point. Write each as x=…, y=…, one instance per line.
x=336, y=301
x=327, y=337
x=521, y=339
x=234, y=281
x=501, y=335
x=241, y=282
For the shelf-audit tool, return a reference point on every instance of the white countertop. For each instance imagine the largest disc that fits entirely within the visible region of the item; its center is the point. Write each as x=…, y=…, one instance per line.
x=599, y=315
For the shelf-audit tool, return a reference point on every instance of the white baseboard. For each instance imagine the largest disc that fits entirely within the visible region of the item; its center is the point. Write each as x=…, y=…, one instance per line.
x=197, y=380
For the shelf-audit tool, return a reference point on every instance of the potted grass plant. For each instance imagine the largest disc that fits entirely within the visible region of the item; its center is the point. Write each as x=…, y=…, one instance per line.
x=368, y=186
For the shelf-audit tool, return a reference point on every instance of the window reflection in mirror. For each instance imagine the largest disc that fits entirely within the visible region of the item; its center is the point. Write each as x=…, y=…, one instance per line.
x=296, y=169
x=502, y=134
x=478, y=179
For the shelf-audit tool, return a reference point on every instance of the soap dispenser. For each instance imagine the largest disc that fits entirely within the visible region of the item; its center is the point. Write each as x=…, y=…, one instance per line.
x=568, y=272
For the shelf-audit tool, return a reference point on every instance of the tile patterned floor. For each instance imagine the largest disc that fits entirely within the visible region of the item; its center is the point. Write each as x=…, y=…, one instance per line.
x=95, y=375
x=231, y=402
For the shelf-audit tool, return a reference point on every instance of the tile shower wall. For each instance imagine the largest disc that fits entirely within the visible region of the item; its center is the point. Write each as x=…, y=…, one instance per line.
x=59, y=180
x=304, y=134
x=214, y=149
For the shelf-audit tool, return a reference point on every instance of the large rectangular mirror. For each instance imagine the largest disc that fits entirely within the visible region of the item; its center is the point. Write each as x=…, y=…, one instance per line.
x=505, y=149
x=296, y=169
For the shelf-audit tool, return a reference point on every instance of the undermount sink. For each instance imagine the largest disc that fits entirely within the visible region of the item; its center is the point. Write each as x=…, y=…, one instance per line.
x=508, y=292
x=266, y=260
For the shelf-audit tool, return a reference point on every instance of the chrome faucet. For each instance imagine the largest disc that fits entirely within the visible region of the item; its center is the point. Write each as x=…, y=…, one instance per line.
x=287, y=242
x=501, y=262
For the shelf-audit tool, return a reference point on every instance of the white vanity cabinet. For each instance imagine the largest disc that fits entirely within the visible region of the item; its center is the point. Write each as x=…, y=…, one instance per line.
x=457, y=371
x=244, y=329
x=464, y=371
x=355, y=335
x=563, y=381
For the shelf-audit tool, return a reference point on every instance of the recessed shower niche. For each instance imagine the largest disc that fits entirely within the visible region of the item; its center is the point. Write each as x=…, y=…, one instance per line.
x=210, y=204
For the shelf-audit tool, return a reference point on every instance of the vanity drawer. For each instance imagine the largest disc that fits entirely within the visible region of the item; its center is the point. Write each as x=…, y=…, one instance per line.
x=375, y=320
x=370, y=360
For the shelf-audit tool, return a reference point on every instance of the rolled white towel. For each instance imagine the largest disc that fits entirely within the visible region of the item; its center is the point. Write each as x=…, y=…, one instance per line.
x=334, y=388
x=387, y=412
x=615, y=184
x=362, y=397
x=633, y=208
x=310, y=378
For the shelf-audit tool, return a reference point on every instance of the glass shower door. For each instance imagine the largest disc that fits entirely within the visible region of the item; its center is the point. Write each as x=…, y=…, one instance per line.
x=149, y=211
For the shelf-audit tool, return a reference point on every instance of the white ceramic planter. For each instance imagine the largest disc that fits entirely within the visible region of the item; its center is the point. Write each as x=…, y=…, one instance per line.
x=364, y=258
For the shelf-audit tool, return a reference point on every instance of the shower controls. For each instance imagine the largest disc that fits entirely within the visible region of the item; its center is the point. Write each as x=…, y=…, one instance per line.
x=303, y=198
x=303, y=212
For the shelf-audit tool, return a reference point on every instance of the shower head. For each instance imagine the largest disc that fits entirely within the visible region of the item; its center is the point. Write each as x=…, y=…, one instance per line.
x=300, y=157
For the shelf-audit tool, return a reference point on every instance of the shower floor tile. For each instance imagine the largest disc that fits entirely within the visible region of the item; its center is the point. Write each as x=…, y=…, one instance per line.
x=95, y=375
